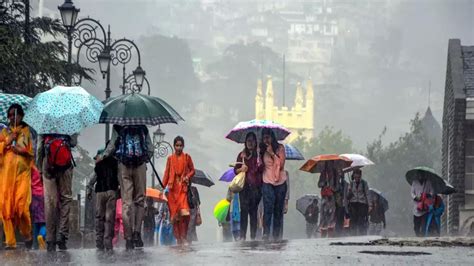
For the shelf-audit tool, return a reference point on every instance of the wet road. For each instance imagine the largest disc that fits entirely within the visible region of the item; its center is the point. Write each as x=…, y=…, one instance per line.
x=293, y=252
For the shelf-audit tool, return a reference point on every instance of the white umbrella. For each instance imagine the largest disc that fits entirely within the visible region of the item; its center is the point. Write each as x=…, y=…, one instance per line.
x=358, y=161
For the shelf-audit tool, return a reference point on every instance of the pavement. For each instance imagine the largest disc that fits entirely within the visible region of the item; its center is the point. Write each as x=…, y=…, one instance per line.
x=341, y=251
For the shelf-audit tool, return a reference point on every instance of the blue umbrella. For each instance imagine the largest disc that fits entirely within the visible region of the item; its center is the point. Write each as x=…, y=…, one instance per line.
x=63, y=110
x=228, y=176
x=6, y=100
x=292, y=153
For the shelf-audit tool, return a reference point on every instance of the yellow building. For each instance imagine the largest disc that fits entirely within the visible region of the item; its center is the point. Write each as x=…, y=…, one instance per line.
x=299, y=119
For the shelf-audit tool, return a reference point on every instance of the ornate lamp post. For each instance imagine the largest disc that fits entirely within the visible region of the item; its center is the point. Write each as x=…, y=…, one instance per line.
x=162, y=148
x=90, y=35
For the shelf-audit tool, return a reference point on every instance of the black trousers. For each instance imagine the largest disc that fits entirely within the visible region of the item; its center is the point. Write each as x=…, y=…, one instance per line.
x=359, y=214
x=250, y=198
x=419, y=223
x=340, y=213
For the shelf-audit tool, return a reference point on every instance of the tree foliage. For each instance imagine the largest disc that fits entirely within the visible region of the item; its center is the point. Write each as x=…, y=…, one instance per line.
x=29, y=64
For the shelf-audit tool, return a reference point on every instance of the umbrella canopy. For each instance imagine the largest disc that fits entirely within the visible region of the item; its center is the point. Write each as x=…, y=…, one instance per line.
x=318, y=163
x=156, y=195
x=63, y=110
x=240, y=131
x=221, y=210
x=6, y=100
x=292, y=153
x=202, y=178
x=303, y=202
x=358, y=161
x=438, y=184
x=228, y=176
x=449, y=189
x=382, y=200
x=138, y=109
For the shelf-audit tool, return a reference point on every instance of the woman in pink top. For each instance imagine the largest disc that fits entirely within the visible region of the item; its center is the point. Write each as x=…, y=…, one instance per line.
x=274, y=184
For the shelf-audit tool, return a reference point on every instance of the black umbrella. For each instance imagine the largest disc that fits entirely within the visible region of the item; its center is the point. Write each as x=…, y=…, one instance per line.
x=382, y=200
x=202, y=178
x=303, y=203
x=440, y=186
x=449, y=189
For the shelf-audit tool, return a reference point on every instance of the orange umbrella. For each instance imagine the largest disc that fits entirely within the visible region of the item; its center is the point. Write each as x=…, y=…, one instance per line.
x=156, y=195
x=318, y=163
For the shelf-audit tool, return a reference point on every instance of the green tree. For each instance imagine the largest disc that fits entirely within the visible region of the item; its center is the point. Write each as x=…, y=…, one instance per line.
x=82, y=171
x=29, y=64
x=414, y=148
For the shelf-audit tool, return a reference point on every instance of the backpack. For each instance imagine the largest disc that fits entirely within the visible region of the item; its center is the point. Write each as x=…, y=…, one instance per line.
x=131, y=148
x=58, y=153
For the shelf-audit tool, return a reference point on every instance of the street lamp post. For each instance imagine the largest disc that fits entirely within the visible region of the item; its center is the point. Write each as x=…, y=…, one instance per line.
x=162, y=148
x=89, y=34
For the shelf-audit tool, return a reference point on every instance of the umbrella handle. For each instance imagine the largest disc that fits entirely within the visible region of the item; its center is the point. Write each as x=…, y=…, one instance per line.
x=156, y=174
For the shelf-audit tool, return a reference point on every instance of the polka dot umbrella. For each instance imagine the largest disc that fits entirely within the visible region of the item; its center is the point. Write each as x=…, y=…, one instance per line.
x=63, y=110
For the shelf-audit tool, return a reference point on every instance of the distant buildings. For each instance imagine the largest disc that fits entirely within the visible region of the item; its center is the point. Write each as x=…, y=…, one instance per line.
x=299, y=118
x=458, y=138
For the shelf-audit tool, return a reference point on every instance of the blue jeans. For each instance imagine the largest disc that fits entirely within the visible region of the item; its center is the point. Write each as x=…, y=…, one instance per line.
x=273, y=204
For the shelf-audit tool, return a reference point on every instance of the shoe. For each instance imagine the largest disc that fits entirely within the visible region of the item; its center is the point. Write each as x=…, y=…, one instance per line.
x=265, y=237
x=51, y=246
x=62, y=243
x=41, y=242
x=129, y=245
x=99, y=246
x=29, y=244
x=137, y=240
x=10, y=248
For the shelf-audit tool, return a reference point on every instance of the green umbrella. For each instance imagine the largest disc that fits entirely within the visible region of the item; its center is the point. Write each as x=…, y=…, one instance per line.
x=6, y=100
x=221, y=210
x=417, y=173
x=138, y=109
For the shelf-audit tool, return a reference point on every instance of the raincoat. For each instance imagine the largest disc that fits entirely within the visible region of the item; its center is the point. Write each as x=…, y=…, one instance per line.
x=15, y=184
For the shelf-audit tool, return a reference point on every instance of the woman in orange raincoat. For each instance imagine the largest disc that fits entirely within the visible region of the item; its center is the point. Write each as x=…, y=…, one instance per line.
x=16, y=158
x=178, y=173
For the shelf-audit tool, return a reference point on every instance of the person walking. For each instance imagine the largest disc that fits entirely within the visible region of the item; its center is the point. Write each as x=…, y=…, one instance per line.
x=377, y=220
x=195, y=218
x=177, y=177
x=341, y=203
x=37, y=209
x=274, y=185
x=105, y=178
x=358, y=203
x=149, y=223
x=433, y=218
x=328, y=185
x=16, y=159
x=421, y=192
x=312, y=217
x=132, y=147
x=249, y=162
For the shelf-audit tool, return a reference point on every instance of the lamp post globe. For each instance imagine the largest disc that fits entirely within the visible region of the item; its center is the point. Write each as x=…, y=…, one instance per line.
x=69, y=14
x=104, y=61
x=139, y=75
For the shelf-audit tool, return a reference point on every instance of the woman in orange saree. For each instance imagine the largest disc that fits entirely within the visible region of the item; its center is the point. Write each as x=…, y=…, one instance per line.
x=16, y=158
x=178, y=173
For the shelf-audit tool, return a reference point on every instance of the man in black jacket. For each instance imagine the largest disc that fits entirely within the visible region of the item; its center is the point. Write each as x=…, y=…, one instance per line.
x=105, y=177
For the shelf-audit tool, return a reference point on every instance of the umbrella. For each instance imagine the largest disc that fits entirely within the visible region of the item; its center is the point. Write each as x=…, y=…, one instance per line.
x=138, y=109
x=240, y=131
x=449, y=189
x=292, y=153
x=318, y=163
x=202, y=178
x=358, y=161
x=303, y=202
x=221, y=210
x=438, y=184
x=6, y=100
x=228, y=176
x=156, y=195
x=382, y=200
x=63, y=110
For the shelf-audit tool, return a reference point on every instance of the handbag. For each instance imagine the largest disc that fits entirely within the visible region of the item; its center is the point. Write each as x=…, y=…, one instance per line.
x=238, y=182
x=198, y=217
x=190, y=197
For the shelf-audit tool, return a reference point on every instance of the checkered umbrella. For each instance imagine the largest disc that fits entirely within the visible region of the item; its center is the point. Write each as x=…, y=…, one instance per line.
x=63, y=110
x=138, y=109
x=292, y=153
x=6, y=100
